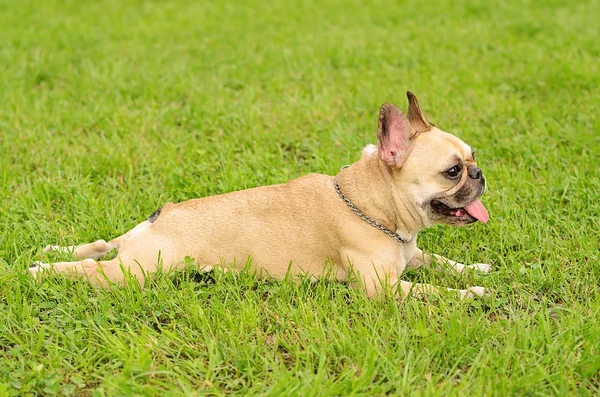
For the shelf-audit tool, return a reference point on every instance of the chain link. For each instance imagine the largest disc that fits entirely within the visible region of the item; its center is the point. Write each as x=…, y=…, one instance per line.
x=365, y=218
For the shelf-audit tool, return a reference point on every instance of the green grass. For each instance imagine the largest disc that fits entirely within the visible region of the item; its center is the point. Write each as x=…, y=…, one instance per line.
x=109, y=109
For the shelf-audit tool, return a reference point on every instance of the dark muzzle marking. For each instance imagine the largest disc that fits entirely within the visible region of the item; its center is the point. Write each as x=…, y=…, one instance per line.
x=154, y=215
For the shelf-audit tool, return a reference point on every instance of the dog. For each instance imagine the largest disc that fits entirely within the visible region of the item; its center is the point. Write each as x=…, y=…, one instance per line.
x=362, y=223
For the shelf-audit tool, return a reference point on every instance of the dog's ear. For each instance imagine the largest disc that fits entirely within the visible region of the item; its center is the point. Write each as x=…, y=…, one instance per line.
x=394, y=134
x=416, y=118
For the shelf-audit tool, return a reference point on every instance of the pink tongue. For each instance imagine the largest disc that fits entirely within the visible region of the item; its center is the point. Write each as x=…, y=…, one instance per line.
x=477, y=210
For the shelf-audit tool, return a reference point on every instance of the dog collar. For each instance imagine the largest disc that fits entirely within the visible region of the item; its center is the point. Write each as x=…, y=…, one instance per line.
x=366, y=218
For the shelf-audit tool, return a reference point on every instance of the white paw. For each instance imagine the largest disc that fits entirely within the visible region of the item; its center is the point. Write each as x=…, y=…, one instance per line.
x=38, y=267
x=69, y=249
x=473, y=292
x=482, y=267
x=49, y=248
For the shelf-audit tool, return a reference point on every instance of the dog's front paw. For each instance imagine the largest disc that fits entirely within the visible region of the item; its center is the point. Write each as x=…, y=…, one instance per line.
x=59, y=249
x=482, y=267
x=473, y=292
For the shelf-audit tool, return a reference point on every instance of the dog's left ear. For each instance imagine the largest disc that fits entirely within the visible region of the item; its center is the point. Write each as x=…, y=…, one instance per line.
x=395, y=135
x=415, y=114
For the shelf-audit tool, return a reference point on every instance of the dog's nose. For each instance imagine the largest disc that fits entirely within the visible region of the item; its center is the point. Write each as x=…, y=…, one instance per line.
x=474, y=173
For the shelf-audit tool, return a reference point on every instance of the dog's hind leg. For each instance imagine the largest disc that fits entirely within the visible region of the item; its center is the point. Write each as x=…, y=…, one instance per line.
x=98, y=248
x=93, y=250
x=100, y=273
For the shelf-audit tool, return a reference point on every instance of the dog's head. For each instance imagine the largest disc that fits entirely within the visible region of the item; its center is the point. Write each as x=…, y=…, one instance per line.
x=434, y=171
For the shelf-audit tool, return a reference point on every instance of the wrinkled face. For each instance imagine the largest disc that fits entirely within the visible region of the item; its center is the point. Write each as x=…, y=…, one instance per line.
x=445, y=179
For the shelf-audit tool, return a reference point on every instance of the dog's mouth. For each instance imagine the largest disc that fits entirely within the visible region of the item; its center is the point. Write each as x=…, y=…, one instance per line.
x=472, y=212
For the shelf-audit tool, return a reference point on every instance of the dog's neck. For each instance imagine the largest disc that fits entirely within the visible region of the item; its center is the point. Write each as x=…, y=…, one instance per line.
x=369, y=185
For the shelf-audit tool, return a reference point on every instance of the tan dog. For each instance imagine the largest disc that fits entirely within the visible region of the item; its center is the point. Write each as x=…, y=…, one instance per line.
x=363, y=221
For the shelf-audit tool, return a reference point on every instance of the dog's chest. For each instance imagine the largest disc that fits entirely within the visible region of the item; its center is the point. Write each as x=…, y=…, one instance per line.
x=407, y=252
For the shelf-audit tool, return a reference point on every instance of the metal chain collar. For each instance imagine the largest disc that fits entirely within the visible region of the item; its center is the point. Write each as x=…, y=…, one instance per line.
x=365, y=218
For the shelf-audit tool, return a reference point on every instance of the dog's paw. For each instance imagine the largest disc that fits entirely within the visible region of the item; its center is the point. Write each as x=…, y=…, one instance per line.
x=38, y=265
x=65, y=249
x=33, y=270
x=481, y=267
x=36, y=268
x=50, y=248
x=473, y=292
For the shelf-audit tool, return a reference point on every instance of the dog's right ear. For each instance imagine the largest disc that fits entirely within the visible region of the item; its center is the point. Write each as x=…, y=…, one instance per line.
x=394, y=134
x=416, y=118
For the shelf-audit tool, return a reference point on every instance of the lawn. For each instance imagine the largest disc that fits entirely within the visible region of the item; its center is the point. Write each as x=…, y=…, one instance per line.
x=109, y=109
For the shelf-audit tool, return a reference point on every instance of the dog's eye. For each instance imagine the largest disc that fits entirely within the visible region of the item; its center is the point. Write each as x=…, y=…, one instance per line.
x=453, y=172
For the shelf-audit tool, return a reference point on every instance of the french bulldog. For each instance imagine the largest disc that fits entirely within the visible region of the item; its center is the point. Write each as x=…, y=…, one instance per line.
x=361, y=224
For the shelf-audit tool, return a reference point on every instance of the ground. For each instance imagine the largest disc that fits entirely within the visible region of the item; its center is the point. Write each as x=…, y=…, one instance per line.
x=108, y=109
